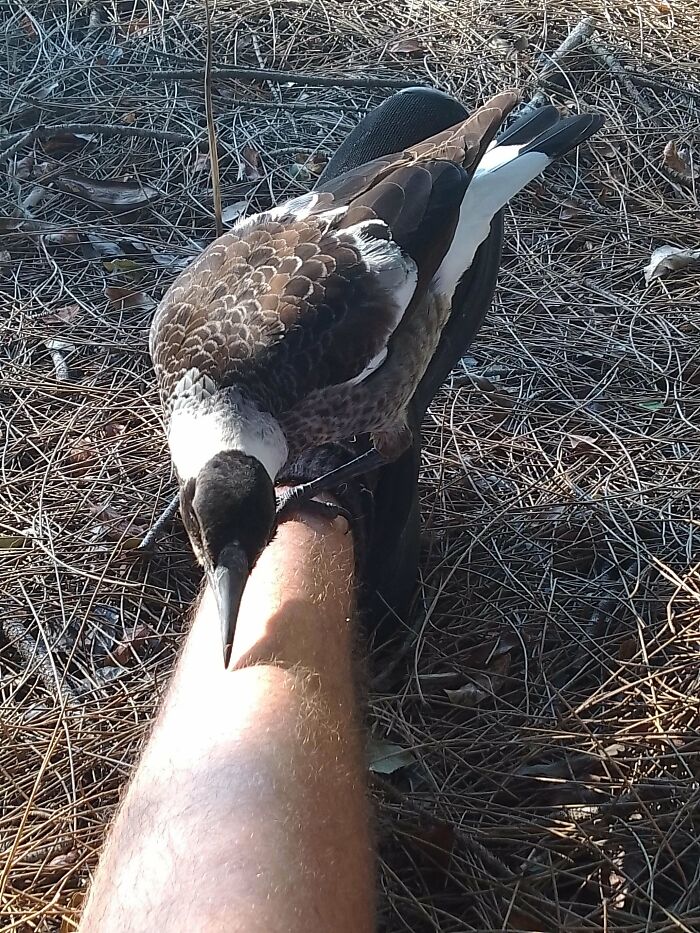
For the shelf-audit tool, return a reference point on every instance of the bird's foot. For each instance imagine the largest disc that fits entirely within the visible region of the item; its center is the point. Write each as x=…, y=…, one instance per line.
x=292, y=496
x=159, y=527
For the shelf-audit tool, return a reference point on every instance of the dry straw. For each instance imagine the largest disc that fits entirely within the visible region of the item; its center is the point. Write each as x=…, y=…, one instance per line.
x=550, y=698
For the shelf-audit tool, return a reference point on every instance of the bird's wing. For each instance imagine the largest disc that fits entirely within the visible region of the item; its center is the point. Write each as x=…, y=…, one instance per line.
x=309, y=294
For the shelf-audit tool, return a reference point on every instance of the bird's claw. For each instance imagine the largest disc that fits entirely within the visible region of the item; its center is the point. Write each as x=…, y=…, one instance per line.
x=287, y=499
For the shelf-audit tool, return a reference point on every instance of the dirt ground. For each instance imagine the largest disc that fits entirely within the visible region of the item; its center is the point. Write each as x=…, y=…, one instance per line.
x=541, y=725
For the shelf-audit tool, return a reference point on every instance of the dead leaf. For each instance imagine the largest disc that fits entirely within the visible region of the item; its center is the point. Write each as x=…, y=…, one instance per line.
x=603, y=148
x=663, y=7
x=385, y=758
x=64, y=315
x=24, y=167
x=81, y=456
x=674, y=158
x=126, y=298
x=202, y=162
x=28, y=27
x=117, y=526
x=408, y=47
x=75, y=902
x=113, y=195
x=435, y=842
x=60, y=350
x=628, y=648
x=135, y=27
x=65, y=861
x=10, y=542
x=482, y=684
x=121, y=265
x=569, y=209
x=230, y=214
x=66, y=142
x=582, y=444
x=63, y=238
x=127, y=651
x=129, y=118
x=251, y=163
x=668, y=259
x=114, y=429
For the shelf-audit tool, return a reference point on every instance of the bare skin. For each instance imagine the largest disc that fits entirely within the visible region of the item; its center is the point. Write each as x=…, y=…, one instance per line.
x=247, y=811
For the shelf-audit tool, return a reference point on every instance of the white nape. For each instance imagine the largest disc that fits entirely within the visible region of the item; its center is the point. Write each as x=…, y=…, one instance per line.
x=197, y=432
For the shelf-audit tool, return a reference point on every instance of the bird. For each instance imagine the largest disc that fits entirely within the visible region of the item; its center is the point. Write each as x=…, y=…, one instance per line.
x=314, y=321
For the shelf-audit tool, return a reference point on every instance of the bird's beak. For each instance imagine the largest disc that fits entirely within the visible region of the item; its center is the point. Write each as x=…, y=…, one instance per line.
x=228, y=579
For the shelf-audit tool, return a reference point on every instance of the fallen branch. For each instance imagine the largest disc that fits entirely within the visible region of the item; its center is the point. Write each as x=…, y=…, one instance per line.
x=16, y=141
x=581, y=33
x=619, y=72
x=37, y=658
x=282, y=77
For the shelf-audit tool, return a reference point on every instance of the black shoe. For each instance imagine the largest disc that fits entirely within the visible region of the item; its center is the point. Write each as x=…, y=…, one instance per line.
x=386, y=505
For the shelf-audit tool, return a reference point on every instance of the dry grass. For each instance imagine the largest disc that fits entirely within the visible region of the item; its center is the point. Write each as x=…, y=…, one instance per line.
x=560, y=473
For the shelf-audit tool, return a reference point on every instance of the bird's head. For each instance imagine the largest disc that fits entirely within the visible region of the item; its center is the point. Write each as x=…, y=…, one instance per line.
x=229, y=512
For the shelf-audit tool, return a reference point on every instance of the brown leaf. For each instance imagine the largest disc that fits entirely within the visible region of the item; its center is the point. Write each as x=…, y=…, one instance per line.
x=251, y=163
x=202, y=163
x=28, y=27
x=116, y=525
x=63, y=238
x=628, y=648
x=313, y=163
x=408, y=47
x=663, y=7
x=604, y=148
x=114, y=429
x=75, y=902
x=63, y=315
x=127, y=298
x=81, y=456
x=569, y=209
x=25, y=166
x=582, y=444
x=129, y=118
x=675, y=159
x=127, y=651
x=667, y=259
x=135, y=27
x=435, y=842
x=482, y=684
x=114, y=195
x=65, y=142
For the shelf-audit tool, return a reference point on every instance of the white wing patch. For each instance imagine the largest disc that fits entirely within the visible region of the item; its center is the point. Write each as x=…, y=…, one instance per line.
x=501, y=174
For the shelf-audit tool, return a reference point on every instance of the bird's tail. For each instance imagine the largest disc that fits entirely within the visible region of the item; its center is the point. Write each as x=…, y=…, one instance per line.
x=510, y=163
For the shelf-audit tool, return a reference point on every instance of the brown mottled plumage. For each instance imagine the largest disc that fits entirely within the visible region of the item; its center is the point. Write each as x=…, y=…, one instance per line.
x=316, y=321
x=288, y=308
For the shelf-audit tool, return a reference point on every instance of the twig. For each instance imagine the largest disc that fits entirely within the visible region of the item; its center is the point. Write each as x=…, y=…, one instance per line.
x=581, y=33
x=619, y=72
x=211, y=128
x=36, y=657
x=282, y=77
x=16, y=141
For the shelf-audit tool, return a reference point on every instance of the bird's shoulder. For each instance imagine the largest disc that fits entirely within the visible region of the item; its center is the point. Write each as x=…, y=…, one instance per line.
x=296, y=273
